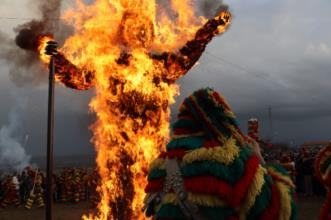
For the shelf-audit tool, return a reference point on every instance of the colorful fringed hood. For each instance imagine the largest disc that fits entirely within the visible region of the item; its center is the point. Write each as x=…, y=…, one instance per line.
x=323, y=172
x=209, y=171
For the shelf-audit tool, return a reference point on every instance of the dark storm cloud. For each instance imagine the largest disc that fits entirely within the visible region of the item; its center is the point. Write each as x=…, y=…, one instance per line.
x=20, y=53
x=276, y=54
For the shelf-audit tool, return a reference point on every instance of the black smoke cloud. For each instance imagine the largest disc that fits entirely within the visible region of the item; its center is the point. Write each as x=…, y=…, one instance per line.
x=20, y=54
x=209, y=8
x=28, y=33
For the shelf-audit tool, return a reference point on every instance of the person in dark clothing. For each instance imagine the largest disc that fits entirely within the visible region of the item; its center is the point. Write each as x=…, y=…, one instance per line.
x=23, y=192
x=299, y=180
x=308, y=173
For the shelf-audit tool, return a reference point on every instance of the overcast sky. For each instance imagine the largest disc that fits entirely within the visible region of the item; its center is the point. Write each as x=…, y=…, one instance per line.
x=275, y=55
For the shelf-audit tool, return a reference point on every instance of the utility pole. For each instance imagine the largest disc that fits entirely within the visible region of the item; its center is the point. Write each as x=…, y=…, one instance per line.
x=51, y=50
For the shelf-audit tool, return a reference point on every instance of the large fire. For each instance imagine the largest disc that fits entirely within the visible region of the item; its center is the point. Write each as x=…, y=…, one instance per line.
x=132, y=52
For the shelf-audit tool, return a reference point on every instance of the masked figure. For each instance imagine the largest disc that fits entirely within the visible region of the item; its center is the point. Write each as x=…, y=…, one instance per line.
x=210, y=171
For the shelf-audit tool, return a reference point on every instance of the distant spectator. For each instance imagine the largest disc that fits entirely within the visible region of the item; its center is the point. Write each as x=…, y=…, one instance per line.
x=308, y=173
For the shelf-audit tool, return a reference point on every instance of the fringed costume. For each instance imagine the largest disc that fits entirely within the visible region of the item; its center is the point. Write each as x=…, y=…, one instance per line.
x=209, y=171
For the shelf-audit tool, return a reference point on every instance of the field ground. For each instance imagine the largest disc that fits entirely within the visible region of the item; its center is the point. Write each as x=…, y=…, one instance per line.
x=308, y=209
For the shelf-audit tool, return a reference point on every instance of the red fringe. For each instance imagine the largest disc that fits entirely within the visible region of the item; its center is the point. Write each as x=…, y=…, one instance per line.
x=184, y=131
x=211, y=144
x=208, y=185
x=178, y=153
x=241, y=187
x=154, y=186
x=326, y=209
x=211, y=128
x=212, y=185
x=272, y=211
x=221, y=101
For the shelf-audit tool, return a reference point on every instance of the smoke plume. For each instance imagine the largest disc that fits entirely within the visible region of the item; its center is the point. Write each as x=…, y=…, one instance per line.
x=20, y=54
x=209, y=8
x=12, y=152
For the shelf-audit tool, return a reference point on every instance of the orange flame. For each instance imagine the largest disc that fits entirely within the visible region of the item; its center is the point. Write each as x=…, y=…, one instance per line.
x=42, y=43
x=135, y=50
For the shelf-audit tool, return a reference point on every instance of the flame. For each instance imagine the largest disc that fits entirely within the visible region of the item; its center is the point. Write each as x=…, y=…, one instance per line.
x=42, y=43
x=131, y=51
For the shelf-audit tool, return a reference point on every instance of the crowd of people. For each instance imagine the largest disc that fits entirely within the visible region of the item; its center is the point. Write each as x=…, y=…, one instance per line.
x=28, y=187
x=73, y=185
x=300, y=165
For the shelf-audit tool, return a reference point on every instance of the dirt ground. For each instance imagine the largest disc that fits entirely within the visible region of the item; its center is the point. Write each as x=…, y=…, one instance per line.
x=308, y=209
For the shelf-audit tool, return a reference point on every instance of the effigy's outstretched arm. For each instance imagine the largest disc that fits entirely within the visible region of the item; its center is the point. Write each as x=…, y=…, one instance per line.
x=70, y=75
x=178, y=64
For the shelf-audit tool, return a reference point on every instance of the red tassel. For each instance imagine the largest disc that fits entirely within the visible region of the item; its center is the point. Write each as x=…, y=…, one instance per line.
x=211, y=144
x=184, y=131
x=178, y=153
x=241, y=187
x=326, y=209
x=272, y=211
x=154, y=185
x=208, y=185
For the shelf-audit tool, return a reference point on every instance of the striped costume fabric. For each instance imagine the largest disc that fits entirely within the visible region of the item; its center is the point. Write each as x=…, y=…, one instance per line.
x=220, y=172
x=323, y=172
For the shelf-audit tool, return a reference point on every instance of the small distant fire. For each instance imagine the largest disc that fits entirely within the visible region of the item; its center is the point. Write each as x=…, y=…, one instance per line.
x=132, y=52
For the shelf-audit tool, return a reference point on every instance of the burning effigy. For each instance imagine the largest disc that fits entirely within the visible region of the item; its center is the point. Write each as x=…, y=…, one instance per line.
x=210, y=171
x=132, y=52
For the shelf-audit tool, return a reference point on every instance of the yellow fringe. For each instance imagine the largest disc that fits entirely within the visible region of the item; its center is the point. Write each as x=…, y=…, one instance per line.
x=158, y=163
x=225, y=154
x=285, y=201
x=325, y=157
x=206, y=200
x=200, y=133
x=327, y=173
x=253, y=191
x=285, y=179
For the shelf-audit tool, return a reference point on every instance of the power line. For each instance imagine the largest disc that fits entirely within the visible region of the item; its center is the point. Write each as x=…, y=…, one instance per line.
x=265, y=76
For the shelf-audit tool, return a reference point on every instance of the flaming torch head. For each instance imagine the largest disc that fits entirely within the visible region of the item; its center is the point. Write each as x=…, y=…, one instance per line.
x=51, y=48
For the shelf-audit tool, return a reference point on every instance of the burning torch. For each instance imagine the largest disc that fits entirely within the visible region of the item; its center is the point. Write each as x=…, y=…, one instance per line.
x=51, y=50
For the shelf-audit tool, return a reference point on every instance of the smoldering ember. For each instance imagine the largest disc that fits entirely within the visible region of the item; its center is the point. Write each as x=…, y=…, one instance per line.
x=164, y=110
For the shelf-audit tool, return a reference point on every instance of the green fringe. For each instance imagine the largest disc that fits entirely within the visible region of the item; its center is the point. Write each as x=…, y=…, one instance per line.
x=156, y=174
x=216, y=114
x=185, y=123
x=216, y=169
x=170, y=211
x=262, y=201
x=230, y=173
x=294, y=210
x=189, y=143
x=279, y=168
x=218, y=213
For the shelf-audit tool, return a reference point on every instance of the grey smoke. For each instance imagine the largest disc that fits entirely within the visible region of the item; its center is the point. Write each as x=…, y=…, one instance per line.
x=12, y=153
x=25, y=67
x=210, y=8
